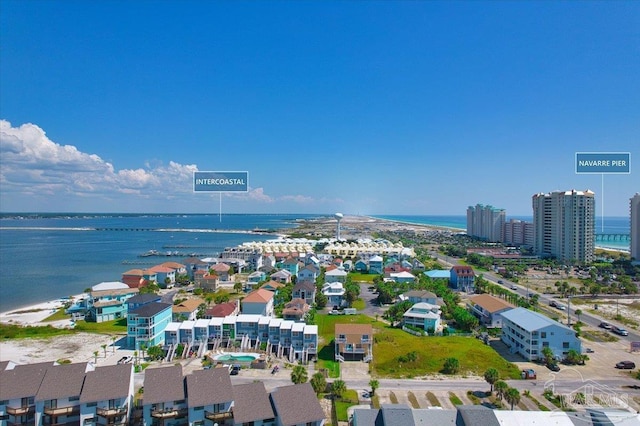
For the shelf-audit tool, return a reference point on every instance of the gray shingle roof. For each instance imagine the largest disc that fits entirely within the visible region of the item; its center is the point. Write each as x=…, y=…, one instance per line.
x=110, y=382
x=163, y=384
x=143, y=298
x=297, y=404
x=396, y=415
x=23, y=381
x=251, y=403
x=477, y=415
x=62, y=381
x=150, y=309
x=207, y=387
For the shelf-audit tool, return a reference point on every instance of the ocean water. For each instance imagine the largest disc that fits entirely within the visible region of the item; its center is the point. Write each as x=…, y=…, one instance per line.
x=45, y=257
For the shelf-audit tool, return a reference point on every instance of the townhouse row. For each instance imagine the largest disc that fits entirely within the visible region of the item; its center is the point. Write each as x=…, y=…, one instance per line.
x=48, y=394
x=294, y=340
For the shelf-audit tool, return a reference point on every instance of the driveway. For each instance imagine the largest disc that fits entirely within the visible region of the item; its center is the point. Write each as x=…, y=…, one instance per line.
x=371, y=302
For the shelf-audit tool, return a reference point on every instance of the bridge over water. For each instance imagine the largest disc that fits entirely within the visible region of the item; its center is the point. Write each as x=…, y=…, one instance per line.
x=612, y=237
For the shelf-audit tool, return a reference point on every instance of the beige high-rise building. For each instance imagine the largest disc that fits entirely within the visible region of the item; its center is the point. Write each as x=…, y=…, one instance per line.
x=634, y=207
x=564, y=225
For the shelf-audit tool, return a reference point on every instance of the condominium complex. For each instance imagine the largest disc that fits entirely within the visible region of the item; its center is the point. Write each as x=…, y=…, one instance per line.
x=635, y=226
x=518, y=233
x=485, y=222
x=564, y=225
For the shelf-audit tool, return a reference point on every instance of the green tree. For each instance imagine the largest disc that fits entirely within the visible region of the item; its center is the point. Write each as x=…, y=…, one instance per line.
x=451, y=366
x=202, y=311
x=338, y=387
x=155, y=353
x=318, y=382
x=512, y=395
x=491, y=376
x=501, y=387
x=299, y=375
x=321, y=300
x=578, y=313
x=374, y=385
x=237, y=287
x=104, y=348
x=548, y=355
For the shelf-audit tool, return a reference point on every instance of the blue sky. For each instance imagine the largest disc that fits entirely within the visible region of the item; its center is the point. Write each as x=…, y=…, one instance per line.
x=364, y=107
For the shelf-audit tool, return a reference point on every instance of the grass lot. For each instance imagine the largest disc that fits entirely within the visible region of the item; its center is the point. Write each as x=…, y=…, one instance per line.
x=360, y=277
x=59, y=315
x=359, y=304
x=474, y=357
x=349, y=399
x=390, y=343
x=108, y=327
x=9, y=331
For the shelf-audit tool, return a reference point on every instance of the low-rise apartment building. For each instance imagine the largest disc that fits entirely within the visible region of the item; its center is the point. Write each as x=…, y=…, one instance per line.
x=488, y=309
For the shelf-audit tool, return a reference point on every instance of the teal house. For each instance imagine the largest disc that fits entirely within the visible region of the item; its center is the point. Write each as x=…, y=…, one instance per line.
x=146, y=324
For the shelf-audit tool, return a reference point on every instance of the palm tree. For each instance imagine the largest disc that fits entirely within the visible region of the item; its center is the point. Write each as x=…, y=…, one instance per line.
x=374, y=385
x=491, y=376
x=95, y=356
x=501, y=387
x=547, y=353
x=113, y=343
x=578, y=312
x=338, y=387
x=104, y=348
x=318, y=382
x=512, y=396
x=299, y=375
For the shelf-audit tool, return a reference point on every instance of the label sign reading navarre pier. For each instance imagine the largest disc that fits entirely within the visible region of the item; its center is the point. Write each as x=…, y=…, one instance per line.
x=220, y=181
x=603, y=162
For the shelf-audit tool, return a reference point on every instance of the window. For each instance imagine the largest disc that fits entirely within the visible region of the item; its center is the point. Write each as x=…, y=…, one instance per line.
x=365, y=337
x=545, y=344
x=198, y=408
x=74, y=398
x=4, y=402
x=341, y=336
x=92, y=404
x=565, y=345
x=181, y=401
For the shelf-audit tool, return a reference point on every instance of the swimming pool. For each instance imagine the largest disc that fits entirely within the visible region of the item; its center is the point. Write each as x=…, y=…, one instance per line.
x=236, y=357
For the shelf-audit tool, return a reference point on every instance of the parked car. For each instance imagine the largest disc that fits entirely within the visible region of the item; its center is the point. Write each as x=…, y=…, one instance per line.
x=235, y=370
x=626, y=365
x=605, y=325
x=620, y=331
x=514, y=287
x=553, y=367
x=500, y=282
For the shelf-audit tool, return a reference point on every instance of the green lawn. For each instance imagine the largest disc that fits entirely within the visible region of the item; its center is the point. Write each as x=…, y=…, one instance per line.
x=349, y=399
x=360, y=277
x=359, y=304
x=108, y=327
x=474, y=357
x=58, y=315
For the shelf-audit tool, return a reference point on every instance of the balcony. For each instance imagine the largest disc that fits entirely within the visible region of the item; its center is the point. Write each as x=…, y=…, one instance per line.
x=220, y=416
x=62, y=411
x=169, y=413
x=21, y=411
x=111, y=412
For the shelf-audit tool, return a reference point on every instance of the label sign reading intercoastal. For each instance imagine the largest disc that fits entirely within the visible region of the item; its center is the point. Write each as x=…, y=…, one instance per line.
x=603, y=162
x=220, y=181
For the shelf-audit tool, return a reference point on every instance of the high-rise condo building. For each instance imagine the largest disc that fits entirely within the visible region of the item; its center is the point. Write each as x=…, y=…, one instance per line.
x=518, y=232
x=634, y=207
x=485, y=222
x=564, y=225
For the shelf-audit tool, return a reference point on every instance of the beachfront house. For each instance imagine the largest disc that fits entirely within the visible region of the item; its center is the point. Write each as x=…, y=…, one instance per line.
x=187, y=310
x=353, y=342
x=488, y=309
x=146, y=324
x=58, y=398
x=305, y=290
x=424, y=316
x=193, y=264
x=258, y=302
x=164, y=402
x=107, y=396
x=297, y=405
x=210, y=397
x=142, y=299
x=165, y=276
x=20, y=384
x=462, y=278
x=108, y=301
x=526, y=333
